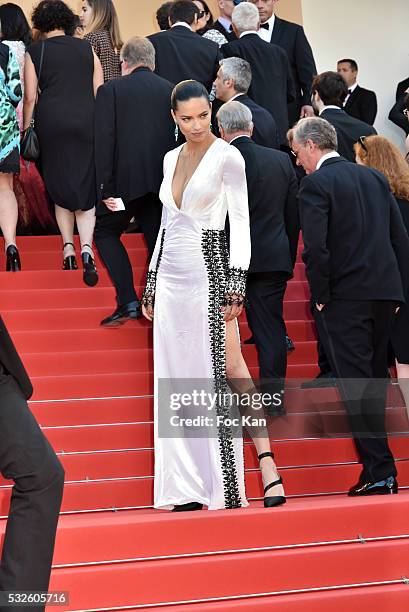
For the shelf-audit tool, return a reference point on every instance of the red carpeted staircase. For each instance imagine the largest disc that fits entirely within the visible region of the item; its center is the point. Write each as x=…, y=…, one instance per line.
x=321, y=551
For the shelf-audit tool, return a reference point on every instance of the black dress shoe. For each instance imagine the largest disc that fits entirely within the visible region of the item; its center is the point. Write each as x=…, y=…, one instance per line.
x=188, y=507
x=326, y=379
x=13, y=259
x=127, y=312
x=381, y=487
x=289, y=344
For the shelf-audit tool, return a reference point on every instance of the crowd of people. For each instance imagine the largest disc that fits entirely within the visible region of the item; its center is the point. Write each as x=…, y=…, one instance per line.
x=218, y=138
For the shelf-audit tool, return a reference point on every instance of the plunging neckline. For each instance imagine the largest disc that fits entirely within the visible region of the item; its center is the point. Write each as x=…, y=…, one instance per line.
x=191, y=177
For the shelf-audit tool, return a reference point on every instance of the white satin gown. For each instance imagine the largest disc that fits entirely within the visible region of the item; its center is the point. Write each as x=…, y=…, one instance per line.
x=189, y=275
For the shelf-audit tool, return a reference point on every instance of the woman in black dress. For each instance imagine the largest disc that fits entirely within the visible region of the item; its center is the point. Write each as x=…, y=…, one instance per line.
x=379, y=153
x=64, y=121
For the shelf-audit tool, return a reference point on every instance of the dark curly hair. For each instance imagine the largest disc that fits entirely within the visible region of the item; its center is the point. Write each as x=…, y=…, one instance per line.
x=51, y=15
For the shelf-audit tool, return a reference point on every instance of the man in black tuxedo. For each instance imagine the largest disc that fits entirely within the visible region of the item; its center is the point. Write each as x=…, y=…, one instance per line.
x=274, y=227
x=396, y=114
x=27, y=458
x=356, y=256
x=133, y=131
x=291, y=37
x=232, y=83
x=180, y=53
x=329, y=91
x=272, y=85
x=360, y=102
x=162, y=15
x=223, y=23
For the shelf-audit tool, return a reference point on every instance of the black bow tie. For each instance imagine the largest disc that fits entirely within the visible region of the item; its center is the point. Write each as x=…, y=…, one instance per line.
x=349, y=91
x=266, y=26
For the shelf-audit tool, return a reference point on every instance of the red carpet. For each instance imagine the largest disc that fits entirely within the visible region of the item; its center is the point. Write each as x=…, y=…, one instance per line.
x=321, y=551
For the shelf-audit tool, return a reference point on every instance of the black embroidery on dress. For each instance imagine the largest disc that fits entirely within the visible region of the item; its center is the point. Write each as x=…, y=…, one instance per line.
x=237, y=281
x=148, y=296
x=214, y=248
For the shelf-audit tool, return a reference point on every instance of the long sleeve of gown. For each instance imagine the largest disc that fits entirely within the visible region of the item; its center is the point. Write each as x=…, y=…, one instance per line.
x=235, y=185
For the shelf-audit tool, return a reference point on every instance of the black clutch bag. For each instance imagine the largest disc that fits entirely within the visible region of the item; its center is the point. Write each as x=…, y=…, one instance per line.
x=29, y=144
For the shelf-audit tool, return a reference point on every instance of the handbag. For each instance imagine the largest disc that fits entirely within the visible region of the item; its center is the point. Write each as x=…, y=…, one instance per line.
x=29, y=144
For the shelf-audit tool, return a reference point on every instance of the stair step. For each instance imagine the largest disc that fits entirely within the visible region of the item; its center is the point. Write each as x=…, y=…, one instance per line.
x=149, y=533
x=281, y=571
x=138, y=491
x=289, y=452
x=337, y=598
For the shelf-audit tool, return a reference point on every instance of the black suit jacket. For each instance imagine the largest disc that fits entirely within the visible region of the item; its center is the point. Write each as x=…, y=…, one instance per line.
x=348, y=130
x=274, y=222
x=272, y=85
x=220, y=27
x=362, y=105
x=182, y=54
x=265, y=131
x=355, y=244
x=133, y=131
x=401, y=88
x=11, y=362
x=396, y=113
x=291, y=37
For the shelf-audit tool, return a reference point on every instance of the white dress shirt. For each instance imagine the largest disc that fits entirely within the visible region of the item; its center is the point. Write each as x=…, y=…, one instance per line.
x=350, y=90
x=325, y=157
x=248, y=32
x=182, y=23
x=225, y=23
x=329, y=106
x=267, y=34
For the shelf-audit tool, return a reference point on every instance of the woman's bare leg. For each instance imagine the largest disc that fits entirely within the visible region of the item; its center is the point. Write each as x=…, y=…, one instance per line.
x=65, y=220
x=86, y=223
x=8, y=209
x=237, y=371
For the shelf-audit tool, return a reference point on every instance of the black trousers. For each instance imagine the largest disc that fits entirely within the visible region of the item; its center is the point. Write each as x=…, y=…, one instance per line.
x=27, y=458
x=265, y=295
x=109, y=228
x=323, y=361
x=355, y=335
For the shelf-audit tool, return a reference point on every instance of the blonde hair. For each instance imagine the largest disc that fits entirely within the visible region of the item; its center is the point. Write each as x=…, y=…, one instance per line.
x=380, y=153
x=104, y=17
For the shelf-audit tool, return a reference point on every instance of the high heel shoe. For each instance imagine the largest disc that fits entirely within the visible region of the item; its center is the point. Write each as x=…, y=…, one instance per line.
x=13, y=259
x=90, y=274
x=274, y=500
x=70, y=262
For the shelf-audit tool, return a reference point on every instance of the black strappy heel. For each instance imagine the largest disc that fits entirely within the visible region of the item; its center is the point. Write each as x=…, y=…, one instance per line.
x=275, y=500
x=90, y=274
x=70, y=262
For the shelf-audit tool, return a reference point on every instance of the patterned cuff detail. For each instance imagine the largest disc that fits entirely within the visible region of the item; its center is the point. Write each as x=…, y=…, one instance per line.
x=148, y=296
x=236, y=284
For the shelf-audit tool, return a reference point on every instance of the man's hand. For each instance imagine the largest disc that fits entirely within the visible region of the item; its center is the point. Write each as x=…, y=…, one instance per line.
x=307, y=111
x=110, y=203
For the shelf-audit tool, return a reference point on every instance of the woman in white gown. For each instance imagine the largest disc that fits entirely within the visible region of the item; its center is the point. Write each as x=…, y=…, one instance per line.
x=197, y=292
